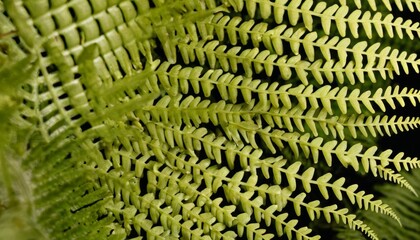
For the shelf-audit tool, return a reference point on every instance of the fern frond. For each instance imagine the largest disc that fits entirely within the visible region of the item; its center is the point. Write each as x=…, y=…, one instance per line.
x=306, y=10
x=138, y=220
x=202, y=198
x=406, y=207
x=123, y=140
x=306, y=178
x=220, y=25
x=211, y=176
x=236, y=119
x=351, y=156
x=281, y=224
x=192, y=139
x=73, y=103
x=168, y=217
x=253, y=61
x=327, y=96
x=250, y=31
x=128, y=32
x=378, y=124
x=339, y=215
x=323, y=183
x=180, y=26
x=412, y=5
x=79, y=214
x=281, y=196
x=273, y=40
x=390, y=175
x=179, y=80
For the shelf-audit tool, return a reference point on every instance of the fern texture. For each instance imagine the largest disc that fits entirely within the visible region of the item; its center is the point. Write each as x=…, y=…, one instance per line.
x=202, y=119
x=406, y=204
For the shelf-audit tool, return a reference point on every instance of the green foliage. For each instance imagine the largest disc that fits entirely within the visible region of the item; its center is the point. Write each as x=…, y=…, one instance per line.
x=404, y=202
x=202, y=119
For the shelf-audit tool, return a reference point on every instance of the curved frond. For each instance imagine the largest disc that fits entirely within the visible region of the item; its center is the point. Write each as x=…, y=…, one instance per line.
x=333, y=15
x=412, y=5
x=378, y=124
x=202, y=119
x=255, y=61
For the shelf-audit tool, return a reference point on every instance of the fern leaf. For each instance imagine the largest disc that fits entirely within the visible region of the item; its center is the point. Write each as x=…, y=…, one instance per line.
x=377, y=124
x=389, y=174
x=336, y=13
x=412, y=5
x=232, y=85
x=124, y=139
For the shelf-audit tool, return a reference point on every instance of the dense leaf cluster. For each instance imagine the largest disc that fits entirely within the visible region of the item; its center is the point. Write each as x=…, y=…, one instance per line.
x=200, y=119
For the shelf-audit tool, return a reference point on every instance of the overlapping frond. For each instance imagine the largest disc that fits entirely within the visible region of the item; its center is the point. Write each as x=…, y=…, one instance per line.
x=407, y=209
x=412, y=5
x=298, y=11
x=254, y=61
x=177, y=80
x=204, y=119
